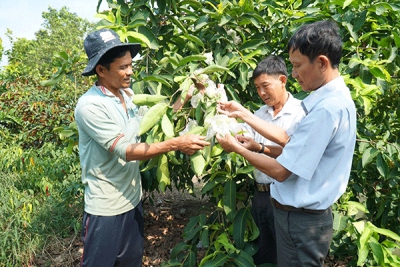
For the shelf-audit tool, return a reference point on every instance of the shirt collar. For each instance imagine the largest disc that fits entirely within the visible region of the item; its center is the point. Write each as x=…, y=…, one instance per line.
x=287, y=108
x=337, y=85
x=105, y=91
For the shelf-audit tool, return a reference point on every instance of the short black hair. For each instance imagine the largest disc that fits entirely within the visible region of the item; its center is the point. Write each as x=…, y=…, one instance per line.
x=271, y=65
x=111, y=55
x=318, y=38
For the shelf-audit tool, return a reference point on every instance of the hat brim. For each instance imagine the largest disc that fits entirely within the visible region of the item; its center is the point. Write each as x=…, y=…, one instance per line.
x=90, y=68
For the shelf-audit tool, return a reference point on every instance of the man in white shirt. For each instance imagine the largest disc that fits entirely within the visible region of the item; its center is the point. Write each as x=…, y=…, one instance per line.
x=283, y=110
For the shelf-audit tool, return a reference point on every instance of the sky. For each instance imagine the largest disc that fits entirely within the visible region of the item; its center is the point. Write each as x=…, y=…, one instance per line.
x=24, y=17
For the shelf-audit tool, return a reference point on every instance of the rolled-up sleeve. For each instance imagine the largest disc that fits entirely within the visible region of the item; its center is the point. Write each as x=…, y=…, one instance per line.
x=102, y=129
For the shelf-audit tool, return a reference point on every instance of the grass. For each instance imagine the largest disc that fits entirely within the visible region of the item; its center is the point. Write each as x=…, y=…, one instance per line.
x=31, y=215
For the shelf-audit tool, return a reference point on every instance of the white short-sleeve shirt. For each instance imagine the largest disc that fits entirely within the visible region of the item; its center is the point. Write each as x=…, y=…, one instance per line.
x=288, y=119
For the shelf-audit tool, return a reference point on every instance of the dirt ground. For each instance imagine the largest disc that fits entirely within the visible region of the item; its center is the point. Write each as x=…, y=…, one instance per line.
x=165, y=218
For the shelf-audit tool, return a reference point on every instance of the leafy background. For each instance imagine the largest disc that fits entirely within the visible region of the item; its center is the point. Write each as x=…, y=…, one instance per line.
x=40, y=169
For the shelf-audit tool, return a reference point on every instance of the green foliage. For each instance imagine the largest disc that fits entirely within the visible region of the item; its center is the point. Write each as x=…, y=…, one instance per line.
x=175, y=34
x=16, y=212
x=31, y=61
x=41, y=196
x=39, y=88
x=355, y=235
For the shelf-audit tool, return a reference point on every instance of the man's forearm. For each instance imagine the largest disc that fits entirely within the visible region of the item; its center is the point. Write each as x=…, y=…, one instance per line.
x=265, y=164
x=270, y=131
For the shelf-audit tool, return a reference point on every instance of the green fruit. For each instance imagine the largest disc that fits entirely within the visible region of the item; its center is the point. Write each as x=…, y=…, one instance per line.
x=147, y=99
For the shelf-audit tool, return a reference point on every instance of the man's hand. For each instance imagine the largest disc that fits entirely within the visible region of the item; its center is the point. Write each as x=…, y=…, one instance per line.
x=228, y=143
x=248, y=143
x=190, y=143
x=233, y=109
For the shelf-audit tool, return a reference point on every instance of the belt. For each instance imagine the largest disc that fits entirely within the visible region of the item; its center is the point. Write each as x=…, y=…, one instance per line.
x=262, y=187
x=278, y=205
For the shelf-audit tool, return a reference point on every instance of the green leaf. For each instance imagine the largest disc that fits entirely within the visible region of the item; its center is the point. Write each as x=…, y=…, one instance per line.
x=157, y=78
x=386, y=232
x=243, y=259
x=377, y=252
x=53, y=80
x=188, y=59
x=140, y=38
x=163, y=176
x=217, y=258
x=239, y=227
x=363, y=246
x=381, y=165
x=178, y=23
x=229, y=199
x=151, y=164
x=167, y=127
x=152, y=116
x=212, y=69
x=195, y=40
x=252, y=44
x=213, y=182
x=150, y=39
x=347, y=3
x=147, y=99
x=180, y=247
x=196, y=130
x=224, y=241
x=193, y=227
x=205, y=238
x=246, y=169
x=368, y=155
x=353, y=208
x=197, y=163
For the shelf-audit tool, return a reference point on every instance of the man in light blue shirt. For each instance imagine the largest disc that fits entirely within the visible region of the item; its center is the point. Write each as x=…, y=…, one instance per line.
x=110, y=150
x=313, y=170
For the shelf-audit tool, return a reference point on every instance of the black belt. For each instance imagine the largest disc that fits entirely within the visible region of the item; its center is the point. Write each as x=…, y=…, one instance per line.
x=278, y=205
x=262, y=187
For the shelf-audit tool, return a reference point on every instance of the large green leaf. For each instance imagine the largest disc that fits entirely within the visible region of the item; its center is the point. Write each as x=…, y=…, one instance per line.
x=152, y=116
x=229, y=199
x=157, y=78
x=167, y=127
x=212, y=69
x=191, y=58
x=215, y=259
x=239, y=227
x=368, y=155
x=243, y=259
x=197, y=163
x=163, y=176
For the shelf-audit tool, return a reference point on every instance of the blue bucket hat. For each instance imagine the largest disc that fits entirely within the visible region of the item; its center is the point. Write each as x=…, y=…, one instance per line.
x=98, y=43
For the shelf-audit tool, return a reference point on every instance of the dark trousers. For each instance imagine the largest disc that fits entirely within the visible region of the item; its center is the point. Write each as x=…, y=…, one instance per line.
x=262, y=212
x=113, y=240
x=303, y=238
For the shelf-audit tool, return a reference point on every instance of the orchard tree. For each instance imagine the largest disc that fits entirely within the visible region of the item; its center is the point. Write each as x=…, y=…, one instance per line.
x=34, y=110
x=33, y=59
x=187, y=44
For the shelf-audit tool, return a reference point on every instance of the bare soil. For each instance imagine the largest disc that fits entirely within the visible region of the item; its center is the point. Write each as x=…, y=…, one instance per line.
x=165, y=218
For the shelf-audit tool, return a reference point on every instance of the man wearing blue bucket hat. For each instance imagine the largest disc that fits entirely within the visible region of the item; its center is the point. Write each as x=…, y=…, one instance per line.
x=110, y=150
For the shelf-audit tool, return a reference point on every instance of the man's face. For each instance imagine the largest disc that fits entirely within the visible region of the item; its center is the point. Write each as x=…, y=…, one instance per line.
x=307, y=74
x=119, y=74
x=271, y=89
